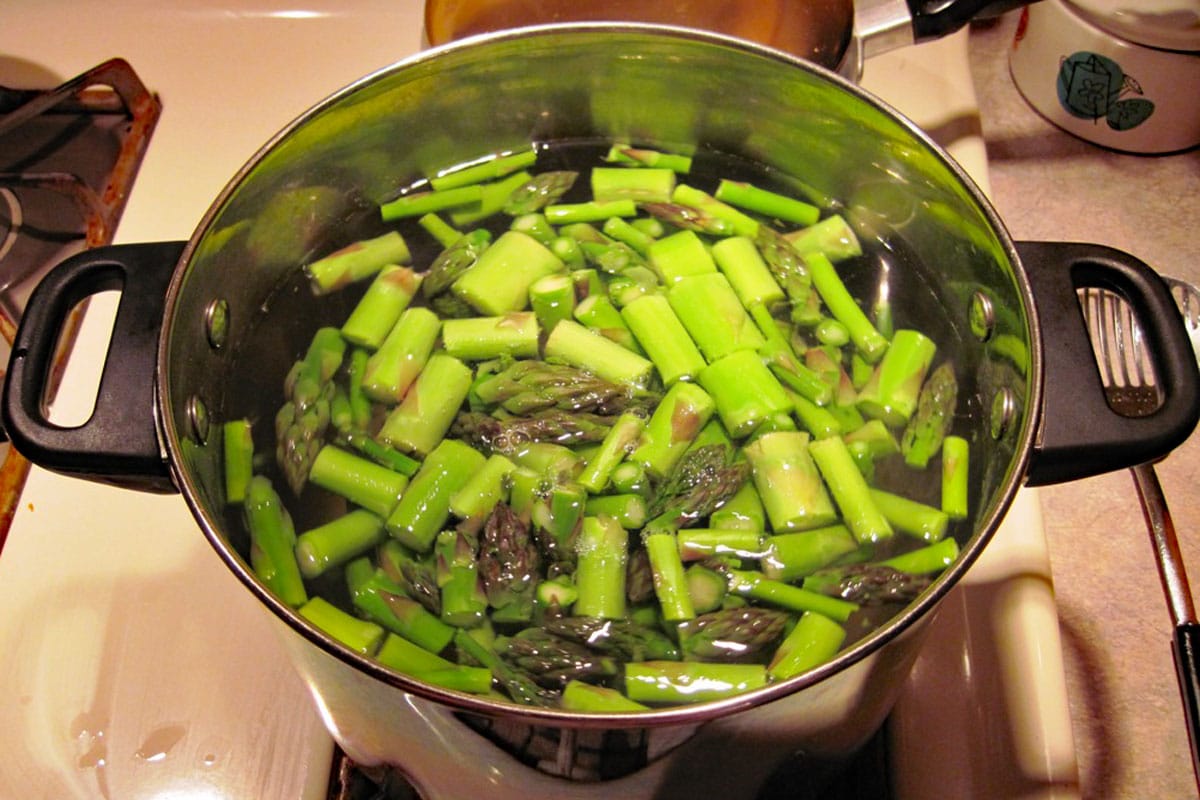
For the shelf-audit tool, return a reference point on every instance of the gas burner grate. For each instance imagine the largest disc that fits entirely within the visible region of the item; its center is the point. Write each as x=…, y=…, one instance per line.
x=865, y=775
x=68, y=159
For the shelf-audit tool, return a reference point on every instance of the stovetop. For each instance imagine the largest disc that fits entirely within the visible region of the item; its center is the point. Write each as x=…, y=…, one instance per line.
x=69, y=155
x=135, y=663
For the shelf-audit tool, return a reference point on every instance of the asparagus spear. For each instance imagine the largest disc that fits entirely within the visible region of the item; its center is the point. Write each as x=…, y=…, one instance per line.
x=870, y=342
x=743, y=265
x=927, y=560
x=922, y=437
x=714, y=317
x=733, y=634
x=508, y=436
x=685, y=682
x=527, y=386
x=742, y=511
x=645, y=185
x=557, y=517
x=814, y=640
x=597, y=313
x=553, y=661
x=482, y=338
x=670, y=583
x=541, y=190
x=791, y=489
x=891, y=393
x=601, y=550
x=238, y=458
x=356, y=262
x=499, y=280
x=744, y=391
x=445, y=233
x=384, y=602
x=616, y=445
x=464, y=603
x=704, y=478
x=586, y=697
x=477, y=498
x=578, y=346
x=739, y=224
x=645, y=157
x=552, y=298
x=639, y=577
x=418, y=578
x=493, y=196
x=418, y=204
x=680, y=255
x=425, y=504
x=515, y=682
x=359, y=635
x=620, y=637
x=910, y=517
x=553, y=595
x=590, y=211
x=662, y=335
x=767, y=203
x=831, y=237
x=337, y=541
x=429, y=407
x=707, y=588
x=625, y=232
x=381, y=305
x=683, y=412
x=508, y=563
x=700, y=543
x=536, y=225
x=955, y=474
x=784, y=264
x=454, y=261
x=378, y=452
x=304, y=417
x=868, y=584
x=391, y=369
x=496, y=166
x=794, y=555
x=362, y=482
x=404, y=656
x=849, y=490
x=756, y=586
x=272, y=538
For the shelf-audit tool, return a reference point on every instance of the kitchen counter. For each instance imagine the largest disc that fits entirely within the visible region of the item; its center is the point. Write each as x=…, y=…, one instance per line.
x=1046, y=184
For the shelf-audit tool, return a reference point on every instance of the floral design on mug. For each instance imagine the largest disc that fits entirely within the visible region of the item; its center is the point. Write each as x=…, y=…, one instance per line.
x=1092, y=86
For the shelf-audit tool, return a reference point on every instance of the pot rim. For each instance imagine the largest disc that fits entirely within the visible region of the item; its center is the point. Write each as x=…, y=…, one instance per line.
x=1024, y=439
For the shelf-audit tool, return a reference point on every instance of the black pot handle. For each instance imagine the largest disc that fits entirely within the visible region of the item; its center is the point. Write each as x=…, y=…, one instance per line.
x=932, y=19
x=119, y=443
x=1080, y=434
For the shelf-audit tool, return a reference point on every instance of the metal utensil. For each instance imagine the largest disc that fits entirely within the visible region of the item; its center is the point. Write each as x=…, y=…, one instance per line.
x=1129, y=383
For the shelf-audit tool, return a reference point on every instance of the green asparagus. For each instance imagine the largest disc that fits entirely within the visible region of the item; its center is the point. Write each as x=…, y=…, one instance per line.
x=592, y=436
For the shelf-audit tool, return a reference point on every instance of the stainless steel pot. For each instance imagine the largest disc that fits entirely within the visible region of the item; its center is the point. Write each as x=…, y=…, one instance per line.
x=206, y=330
x=837, y=34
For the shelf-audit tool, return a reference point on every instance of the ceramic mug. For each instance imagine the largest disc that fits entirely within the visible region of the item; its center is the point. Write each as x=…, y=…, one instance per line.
x=1078, y=67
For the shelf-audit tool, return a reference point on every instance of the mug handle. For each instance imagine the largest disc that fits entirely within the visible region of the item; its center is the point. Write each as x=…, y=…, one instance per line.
x=1079, y=434
x=119, y=443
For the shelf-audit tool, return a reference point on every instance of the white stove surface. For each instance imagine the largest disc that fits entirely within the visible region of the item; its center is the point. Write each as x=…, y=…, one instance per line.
x=136, y=666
